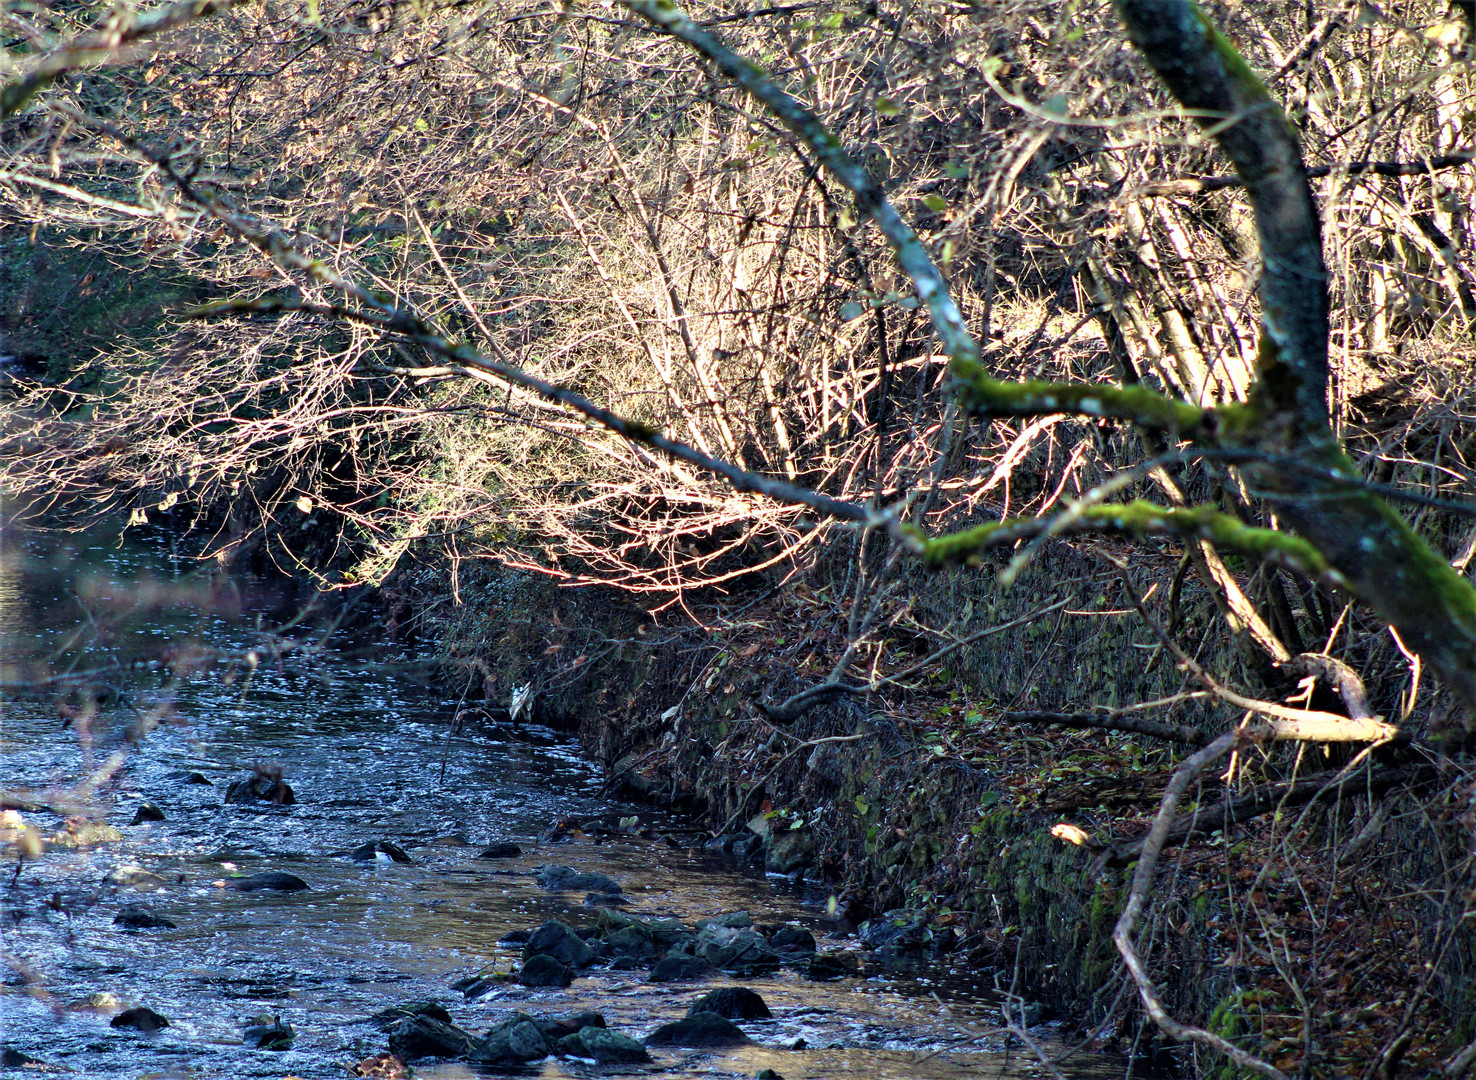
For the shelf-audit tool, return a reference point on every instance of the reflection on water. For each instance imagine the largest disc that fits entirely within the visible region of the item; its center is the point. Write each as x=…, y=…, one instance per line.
x=104, y=646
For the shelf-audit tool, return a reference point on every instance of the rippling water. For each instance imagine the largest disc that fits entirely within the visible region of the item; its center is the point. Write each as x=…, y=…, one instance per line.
x=362, y=742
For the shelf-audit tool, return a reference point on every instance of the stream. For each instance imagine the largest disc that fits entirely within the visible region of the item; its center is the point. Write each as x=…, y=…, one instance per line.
x=94, y=725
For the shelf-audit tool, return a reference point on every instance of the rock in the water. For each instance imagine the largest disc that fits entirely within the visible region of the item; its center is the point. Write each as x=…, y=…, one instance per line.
x=827, y=966
x=11, y=1058
x=899, y=929
x=701, y=1030
x=740, y=952
x=679, y=968
x=513, y=1043
x=386, y=1018
x=733, y=920
x=500, y=849
x=147, y=812
x=599, y=899
x=767, y=1074
x=733, y=1003
x=561, y=941
x=630, y=943
x=792, y=939
x=269, y=1033
x=515, y=939
x=139, y=917
x=789, y=851
x=372, y=851
x=554, y=1030
x=140, y=1019
x=186, y=777
x=561, y=878
x=605, y=1047
x=268, y=881
x=423, y=1036
x=545, y=971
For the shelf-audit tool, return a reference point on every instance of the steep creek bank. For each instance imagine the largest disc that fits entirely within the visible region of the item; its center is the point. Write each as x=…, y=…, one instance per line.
x=140, y=691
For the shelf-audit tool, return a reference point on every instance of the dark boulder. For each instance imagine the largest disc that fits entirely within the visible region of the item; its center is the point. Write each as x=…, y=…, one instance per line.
x=186, y=777
x=268, y=881
x=599, y=899
x=515, y=939
x=566, y=878
x=792, y=939
x=562, y=942
x=140, y=1019
x=632, y=944
x=604, y=1046
x=261, y=788
x=789, y=852
x=545, y=971
x=420, y=1036
x=500, y=849
x=680, y=968
x=514, y=1043
x=139, y=917
x=732, y=920
x=11, y=1058
x=700, y=1031
x=733, y=1003
x=834, y=965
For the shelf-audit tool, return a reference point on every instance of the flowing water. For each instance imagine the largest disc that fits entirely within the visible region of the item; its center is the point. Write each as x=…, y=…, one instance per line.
x=92, y=723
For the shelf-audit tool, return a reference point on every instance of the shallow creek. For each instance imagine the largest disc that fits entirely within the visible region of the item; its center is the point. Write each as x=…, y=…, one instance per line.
x=362, y=743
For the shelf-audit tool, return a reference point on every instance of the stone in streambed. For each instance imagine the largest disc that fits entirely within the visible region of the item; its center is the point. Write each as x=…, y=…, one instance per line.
x=139, y=917
x=11, y=1058
x=545, y=971
x=268, y=881
x=630, y=946
x=605, y=1047
x=267, y=1032
x=732, y=920
x=566, y=878
x=372, y=851
x=834, y=965
x=701, y=1031
x=731, y=1003
x=500, y=849
x=900, y=929
x=604, y=900
x=561, y=941
x=261, y=788
x=423, y=1036
x=790, y=939
x=767, y=1074
x=140, y=1019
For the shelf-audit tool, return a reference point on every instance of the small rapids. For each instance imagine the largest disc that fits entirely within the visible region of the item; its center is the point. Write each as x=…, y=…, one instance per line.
x=363, y=743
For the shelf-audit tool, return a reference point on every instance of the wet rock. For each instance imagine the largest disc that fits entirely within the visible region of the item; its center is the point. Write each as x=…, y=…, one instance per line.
x=500, y=849
x=733, y=920
x=733, y=1003
x=268, y=1032
x=700, y=1031
x=478, y=985
x=514, y=1043
x=382, y=1067
x=566, y=878
x=554, y=1030
x=11, y=1058
x=597, y=899
x=372, y=851
x=730, y=841
x=792, y=939
x=899, y=929
x=99, y=1001
x=834, y=965
x=739, y=952
x=147, y=812
x=559, y=940
x=680, y=968
x=515, y=939
x=187, y=777
x=605, y=1047
x=789, y=851
x=545, y=971
x=139, y=917
x=140, y=1019
x=1026, y=1013
x=387, y=1018
x=767, y=1074
x=269, y=881
x=424, y=1036
x=261, y=788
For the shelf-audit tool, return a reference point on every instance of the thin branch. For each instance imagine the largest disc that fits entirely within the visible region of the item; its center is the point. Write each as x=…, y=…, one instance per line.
x=1200, y=185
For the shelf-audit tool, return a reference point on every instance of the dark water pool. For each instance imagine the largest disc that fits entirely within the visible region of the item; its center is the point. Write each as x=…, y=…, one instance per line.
x=93, y=724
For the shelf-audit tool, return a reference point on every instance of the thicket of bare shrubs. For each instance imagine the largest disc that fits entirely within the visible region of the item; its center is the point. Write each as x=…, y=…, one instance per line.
x=565, y=188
